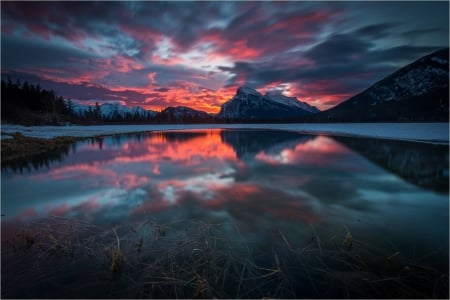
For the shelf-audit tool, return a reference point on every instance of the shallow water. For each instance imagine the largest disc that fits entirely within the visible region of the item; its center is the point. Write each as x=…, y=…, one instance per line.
x=390, y=195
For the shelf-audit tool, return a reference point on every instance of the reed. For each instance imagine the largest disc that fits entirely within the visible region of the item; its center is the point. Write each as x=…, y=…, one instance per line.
x=193, y=259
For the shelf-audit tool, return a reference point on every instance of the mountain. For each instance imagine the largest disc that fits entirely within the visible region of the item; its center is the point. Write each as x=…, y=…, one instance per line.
x=184, y=114
x=248, y=104
x=291, y=101
x=111, y=111
x=416, y=92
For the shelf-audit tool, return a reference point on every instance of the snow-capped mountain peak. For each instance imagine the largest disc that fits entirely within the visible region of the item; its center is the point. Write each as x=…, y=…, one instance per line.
x=113, y=110
x=249, y=104
x=247, y=91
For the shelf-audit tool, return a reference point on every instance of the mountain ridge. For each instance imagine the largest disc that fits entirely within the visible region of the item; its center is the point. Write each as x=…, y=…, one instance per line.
x=415, y=92
x=184, y=114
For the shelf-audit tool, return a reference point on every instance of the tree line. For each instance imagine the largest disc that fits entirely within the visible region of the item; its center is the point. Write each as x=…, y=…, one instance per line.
x=30, y=104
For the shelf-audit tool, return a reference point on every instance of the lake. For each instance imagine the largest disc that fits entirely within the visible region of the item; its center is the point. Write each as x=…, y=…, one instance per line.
x=228, y=214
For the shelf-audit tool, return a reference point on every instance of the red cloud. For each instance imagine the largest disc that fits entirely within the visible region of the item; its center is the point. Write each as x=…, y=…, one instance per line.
x=240, y=50
x=251, y=36
x=189, y=94
x=236, y=48
x=118, y=63
x=320, y=93
x=301, y=24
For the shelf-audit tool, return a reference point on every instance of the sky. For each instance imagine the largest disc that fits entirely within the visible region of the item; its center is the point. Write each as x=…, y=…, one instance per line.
x=158, y=54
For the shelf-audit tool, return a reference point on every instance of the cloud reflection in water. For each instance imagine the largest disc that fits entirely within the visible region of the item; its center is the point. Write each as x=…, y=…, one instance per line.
x=248, y=176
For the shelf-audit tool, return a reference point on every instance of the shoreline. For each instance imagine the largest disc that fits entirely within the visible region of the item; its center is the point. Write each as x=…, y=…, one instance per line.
x=17, y=145
x=20, y=146
x=424, y=132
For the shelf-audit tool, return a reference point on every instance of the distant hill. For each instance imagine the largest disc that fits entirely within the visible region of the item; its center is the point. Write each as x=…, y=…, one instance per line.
x=417, y=92
x=183, y=114
x=109, y=112
x=250, y=105
x=114, y=111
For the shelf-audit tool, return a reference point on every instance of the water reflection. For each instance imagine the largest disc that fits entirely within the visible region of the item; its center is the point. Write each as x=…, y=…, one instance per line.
x=421, y=164
x=248, y=143
x=260, y=179
x=36, y=161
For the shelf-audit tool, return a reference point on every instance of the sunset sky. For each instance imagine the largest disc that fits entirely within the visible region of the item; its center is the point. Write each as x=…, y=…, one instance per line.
x=160, y=54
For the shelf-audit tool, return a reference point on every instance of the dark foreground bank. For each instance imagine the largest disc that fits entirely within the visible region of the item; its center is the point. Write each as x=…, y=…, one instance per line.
x=64, y=258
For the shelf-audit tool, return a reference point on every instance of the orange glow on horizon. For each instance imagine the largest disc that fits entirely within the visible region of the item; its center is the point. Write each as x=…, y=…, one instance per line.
x=193, y=95
x=211, y=101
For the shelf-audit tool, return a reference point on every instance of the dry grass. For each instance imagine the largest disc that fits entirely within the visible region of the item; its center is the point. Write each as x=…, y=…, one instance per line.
x=192, y=259
x=22, y=146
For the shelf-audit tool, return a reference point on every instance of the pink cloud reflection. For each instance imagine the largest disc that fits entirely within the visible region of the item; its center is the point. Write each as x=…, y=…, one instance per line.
x=321, y=151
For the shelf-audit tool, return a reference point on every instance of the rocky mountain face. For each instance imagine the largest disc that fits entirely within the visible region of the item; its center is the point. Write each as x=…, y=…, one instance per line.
x=248, y=105
x=416, y=92
x=184, y=114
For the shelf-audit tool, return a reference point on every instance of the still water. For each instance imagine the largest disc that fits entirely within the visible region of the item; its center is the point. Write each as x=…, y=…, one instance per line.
x=305, y=191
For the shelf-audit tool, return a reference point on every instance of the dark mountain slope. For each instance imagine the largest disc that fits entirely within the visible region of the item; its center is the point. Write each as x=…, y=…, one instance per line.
x=416, y=92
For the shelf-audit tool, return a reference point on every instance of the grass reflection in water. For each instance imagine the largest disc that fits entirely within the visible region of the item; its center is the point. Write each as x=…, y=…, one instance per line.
x=66, y=258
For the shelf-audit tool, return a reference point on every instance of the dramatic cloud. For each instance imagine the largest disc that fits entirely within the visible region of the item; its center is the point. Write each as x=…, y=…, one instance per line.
x=156, y=54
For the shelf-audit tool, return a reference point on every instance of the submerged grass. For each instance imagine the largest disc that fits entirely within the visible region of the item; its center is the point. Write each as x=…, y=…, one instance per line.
x=62, y=258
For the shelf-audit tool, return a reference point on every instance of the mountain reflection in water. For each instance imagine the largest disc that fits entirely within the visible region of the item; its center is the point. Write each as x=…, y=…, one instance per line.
x=218, y=167
x=392, y=194
x=425, y=165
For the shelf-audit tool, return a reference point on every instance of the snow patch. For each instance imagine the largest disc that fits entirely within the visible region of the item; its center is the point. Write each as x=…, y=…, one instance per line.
x=425, y=132
x=247, y=90
x=291, y=101
x=110, y=110
x=439, y=60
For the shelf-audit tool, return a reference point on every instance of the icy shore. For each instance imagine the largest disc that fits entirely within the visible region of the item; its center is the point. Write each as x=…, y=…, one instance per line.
x=425, y=132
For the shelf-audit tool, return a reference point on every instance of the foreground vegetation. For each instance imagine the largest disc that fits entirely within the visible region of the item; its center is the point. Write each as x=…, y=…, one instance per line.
x=19, y=146
x=62, y=258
